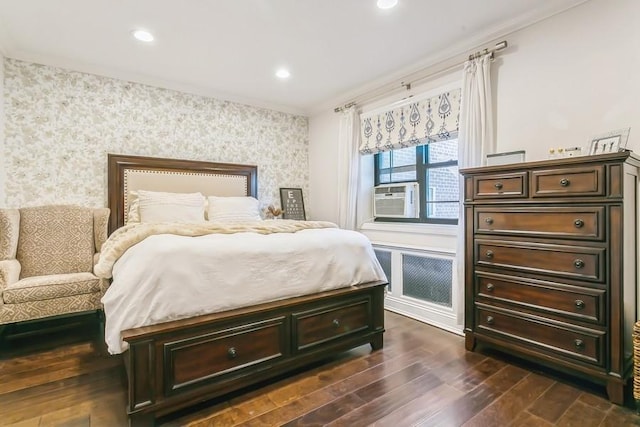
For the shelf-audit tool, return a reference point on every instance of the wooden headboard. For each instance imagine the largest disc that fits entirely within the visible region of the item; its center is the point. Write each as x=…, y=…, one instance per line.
x=130, y=173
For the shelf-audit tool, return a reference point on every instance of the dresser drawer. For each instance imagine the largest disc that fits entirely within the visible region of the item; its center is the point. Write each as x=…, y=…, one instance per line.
x=582, y=344
x=574, y=223
x=573, y=302
x=567, y=261
x=574, y=181
x=222, y=353
x=502, y=186
x=318, y=326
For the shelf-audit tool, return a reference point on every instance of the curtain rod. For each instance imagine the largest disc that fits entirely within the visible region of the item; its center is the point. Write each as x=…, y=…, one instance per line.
x=407, y=81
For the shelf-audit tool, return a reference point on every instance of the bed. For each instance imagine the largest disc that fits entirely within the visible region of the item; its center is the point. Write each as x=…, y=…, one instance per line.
x=178, y=363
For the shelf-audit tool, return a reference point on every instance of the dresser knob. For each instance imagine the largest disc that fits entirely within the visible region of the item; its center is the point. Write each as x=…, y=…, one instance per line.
x=579, y=304
x=578, y=223
x=578, y=263
x=490, y=287
x=489, y=254
x=579, y=344
x=232, y=353
x=336, y=323
x=488, y=220
x=565, y=182
x=490, y=320
x=498, y=185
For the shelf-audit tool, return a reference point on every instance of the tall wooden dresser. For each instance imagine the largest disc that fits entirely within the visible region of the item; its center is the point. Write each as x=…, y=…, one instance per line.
x=551, y=263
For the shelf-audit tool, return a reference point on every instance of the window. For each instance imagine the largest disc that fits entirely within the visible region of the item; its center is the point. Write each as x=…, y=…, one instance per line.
x=435, y=167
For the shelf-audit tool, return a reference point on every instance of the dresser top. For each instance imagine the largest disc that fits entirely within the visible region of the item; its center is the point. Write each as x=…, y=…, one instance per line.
x=622, y=156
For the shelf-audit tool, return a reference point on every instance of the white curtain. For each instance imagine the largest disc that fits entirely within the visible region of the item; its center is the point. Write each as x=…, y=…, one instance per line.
x=348, y=168
x=475, y=137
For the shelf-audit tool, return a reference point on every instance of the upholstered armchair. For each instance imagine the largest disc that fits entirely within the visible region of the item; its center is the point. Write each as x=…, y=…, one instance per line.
x=47, y=255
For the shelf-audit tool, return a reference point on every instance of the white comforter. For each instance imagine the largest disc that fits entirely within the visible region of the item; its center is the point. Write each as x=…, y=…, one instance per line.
x=166, y=277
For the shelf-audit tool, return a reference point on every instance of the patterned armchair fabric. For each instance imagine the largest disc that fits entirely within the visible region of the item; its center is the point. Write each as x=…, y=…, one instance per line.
x=47, y=255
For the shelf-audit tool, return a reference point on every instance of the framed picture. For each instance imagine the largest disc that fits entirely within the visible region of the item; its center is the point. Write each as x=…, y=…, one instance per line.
x=610, y=142
x=292, y=203
x=505, y=158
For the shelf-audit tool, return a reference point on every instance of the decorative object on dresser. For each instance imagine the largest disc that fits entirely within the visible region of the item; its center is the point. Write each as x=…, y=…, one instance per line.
x=505, y=158
x=610, y=142
x=178, y=363
x=551, y=254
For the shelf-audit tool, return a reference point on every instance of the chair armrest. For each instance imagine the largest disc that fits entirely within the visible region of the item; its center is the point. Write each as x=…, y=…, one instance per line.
x=9, y=273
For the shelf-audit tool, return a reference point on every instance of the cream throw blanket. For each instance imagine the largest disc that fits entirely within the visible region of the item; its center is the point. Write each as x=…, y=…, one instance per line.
x=125, y=237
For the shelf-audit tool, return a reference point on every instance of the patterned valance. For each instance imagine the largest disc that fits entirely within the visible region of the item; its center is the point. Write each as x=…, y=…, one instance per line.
x=414, y=123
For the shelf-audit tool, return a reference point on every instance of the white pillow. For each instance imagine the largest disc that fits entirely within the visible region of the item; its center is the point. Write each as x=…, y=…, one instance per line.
x=134, y=208
x=155, y=206
x=233, y=209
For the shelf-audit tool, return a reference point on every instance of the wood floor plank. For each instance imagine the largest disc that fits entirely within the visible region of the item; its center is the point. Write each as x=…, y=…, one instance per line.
x=581, y=415
x=329, y=412
x=462, y=409
x=510, y=404
x=506, y=378
x=524, y=419
x=554, y=402
x=422, y=376
x=619, y=416
x=421, y=407
x=479, y=373
x=387, y=403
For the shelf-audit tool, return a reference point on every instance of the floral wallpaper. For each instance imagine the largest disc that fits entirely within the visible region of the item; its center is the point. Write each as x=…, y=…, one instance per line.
x=60, y=125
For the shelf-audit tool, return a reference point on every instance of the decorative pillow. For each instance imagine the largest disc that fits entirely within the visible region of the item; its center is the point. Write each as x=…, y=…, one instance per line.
x=134, y=208
x=233, y=209
x=157, y=206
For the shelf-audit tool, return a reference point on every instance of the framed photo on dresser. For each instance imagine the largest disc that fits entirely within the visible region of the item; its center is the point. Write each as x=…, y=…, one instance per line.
x=610, y=142
x=292, y=203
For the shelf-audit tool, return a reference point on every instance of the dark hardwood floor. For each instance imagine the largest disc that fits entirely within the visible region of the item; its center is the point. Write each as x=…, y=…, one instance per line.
x=422, y=377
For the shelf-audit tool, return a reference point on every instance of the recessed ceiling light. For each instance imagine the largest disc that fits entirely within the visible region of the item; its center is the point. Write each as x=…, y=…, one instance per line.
x=387, y=4
x=143, y=35
x=283, y=73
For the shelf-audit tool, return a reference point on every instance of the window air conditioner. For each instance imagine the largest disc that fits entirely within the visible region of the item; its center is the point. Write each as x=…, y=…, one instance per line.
x=396, y=201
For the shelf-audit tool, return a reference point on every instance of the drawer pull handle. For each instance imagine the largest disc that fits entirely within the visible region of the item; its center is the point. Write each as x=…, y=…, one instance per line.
x=336, y=323
x=578, y=263
x=489, y=254
x=579, y=304
x=578, y=223
x=579, y=344
x=488, y=220
x=498, y=185
x=232, y=353
x=490, y=287
x=490, y=320
x=565, y=182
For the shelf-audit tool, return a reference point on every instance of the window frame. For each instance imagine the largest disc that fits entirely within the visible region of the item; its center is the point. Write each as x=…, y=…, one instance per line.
x=422, y=167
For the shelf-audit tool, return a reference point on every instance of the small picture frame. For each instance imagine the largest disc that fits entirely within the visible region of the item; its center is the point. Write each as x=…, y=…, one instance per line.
x=292, y=203
x=505, y=158
x=610, y=142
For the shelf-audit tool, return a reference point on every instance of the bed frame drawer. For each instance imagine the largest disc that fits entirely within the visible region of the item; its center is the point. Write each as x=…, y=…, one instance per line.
x=223, y=353
x=316, y=327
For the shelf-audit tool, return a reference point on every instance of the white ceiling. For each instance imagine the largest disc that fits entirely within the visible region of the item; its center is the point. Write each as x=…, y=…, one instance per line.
x=230, y=49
